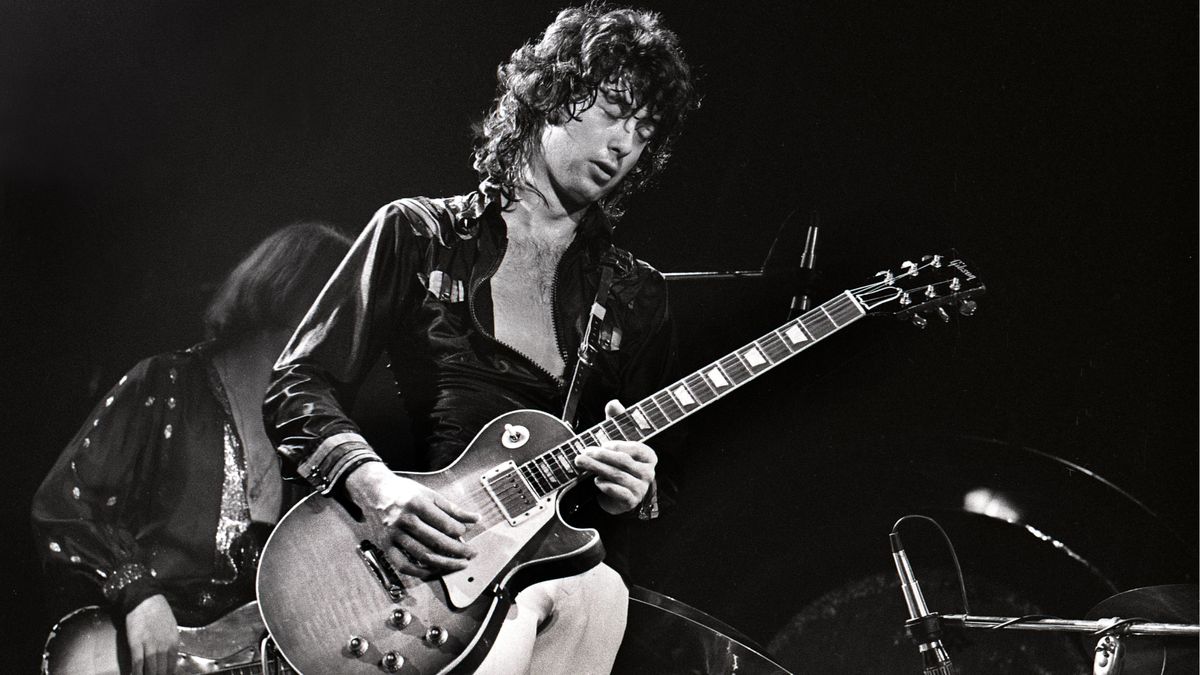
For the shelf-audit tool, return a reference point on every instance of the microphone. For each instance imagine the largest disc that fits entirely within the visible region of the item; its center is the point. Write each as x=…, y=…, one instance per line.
x=808, y=259
x=923, y=627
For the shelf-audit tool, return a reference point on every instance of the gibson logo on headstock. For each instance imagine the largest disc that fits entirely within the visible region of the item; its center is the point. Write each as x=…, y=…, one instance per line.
x=962, y=267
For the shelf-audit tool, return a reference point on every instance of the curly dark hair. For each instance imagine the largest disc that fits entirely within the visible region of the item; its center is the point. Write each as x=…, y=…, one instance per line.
x=560, y=75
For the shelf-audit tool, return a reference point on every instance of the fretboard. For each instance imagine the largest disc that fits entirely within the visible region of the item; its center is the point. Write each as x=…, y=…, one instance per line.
x=555, y=468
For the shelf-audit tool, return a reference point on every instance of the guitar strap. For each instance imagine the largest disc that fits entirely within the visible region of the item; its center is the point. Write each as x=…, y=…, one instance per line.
x=587, y=346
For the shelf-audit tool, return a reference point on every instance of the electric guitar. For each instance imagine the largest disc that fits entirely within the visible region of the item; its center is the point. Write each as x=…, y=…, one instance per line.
x=88, y=642
x=335, y=603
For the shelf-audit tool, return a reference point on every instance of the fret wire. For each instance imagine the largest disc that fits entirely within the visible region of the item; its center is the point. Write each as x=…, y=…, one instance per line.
x=716, y=365
x=565, y=462
x=545, y=471
x=830, y=316
x=554, y=470
x=773, y=347
x=849, y=308
x=641, y=407
x=612, y=430
x=781, y=333
x=654, y=413
x=629, y=428
x=818, y=325
x=735, y=368
x=701, y=389
x=685, y=399
x=535, y=482
x=667, y=403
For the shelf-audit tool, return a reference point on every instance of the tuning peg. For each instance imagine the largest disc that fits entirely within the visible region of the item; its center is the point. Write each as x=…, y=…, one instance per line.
x=888, y=277
x=919, y=321
x=930, y=291
x=905, y=299
x=941, y=312
x=955, y=284
x=935, y=261
x=967, y=307
x=909, y=267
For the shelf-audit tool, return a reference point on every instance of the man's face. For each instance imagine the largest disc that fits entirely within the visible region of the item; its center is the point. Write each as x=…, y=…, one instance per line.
x=584, y=158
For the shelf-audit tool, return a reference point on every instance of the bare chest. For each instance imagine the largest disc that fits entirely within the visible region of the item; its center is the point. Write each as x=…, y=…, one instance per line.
x=522, y=303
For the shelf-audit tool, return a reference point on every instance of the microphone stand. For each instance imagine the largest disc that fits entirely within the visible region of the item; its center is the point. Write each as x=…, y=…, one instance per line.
x=1109, y=649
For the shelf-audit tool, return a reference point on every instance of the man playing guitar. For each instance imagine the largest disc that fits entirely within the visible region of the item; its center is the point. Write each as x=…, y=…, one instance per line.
x=481, y=303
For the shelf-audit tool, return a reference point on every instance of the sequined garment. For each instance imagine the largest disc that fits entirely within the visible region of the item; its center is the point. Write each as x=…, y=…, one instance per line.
x=150, y=497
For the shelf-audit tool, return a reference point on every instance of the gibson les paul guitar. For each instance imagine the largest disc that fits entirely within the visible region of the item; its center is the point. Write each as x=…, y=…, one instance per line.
x=333, y=601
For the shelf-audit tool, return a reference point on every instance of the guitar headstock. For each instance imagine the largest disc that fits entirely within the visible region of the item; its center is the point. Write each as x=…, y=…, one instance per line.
x=916, y=289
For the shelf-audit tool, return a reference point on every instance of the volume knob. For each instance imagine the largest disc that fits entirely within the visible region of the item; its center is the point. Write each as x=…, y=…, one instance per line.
x=392, y=662
x=436, y=636
x=401, y=618
x=357, y=645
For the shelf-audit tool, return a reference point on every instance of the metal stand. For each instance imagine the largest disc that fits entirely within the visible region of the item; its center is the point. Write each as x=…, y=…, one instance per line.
x=1109, y=649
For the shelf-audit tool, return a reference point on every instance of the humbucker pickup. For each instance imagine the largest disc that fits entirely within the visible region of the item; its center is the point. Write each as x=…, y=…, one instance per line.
x=511, y=492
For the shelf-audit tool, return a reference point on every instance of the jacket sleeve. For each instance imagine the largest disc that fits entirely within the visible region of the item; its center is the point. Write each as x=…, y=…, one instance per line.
x=320, y=370
x=87, y=513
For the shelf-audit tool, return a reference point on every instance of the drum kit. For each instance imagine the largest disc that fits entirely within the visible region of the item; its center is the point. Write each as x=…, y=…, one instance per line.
x=1028, y=559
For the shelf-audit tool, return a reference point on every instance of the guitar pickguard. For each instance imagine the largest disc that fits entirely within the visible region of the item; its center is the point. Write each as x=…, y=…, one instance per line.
x=496, y=547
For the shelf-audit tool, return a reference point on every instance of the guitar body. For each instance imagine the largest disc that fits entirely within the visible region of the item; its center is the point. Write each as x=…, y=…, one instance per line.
x=327, y=576
x=88, y=642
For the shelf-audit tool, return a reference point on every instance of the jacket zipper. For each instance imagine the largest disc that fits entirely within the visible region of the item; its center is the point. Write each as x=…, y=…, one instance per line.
x=559, y=382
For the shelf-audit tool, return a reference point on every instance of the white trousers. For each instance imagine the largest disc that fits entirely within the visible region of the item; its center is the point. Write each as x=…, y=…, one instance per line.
x=572, y=625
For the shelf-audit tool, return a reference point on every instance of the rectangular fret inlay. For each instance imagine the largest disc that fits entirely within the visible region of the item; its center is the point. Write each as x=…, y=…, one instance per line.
x=683, y=395
x=796, y=335
x=600, y=436
x=641, y=420
x=717, y=377
x=753, y=357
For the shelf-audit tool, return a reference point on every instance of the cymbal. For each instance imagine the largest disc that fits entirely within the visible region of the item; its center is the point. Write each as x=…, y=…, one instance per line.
x=1173, y=603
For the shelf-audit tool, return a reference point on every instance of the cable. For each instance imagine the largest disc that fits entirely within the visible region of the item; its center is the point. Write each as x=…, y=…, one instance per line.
x=1121, y=626
x=1022, y=619
x=962, y=586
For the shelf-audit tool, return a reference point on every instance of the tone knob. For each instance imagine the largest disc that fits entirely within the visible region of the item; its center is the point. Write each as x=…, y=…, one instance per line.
x=436, y=636
x=392, y=662
x=357, y=645
x=401, y=618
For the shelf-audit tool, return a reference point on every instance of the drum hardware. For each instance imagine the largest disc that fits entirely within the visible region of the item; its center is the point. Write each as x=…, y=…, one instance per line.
x=924, y=627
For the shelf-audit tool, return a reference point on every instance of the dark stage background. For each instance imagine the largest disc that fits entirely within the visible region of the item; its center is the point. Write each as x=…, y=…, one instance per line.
x=146, y=145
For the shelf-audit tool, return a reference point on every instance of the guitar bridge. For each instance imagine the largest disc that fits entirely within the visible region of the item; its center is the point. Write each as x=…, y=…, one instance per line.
x=378, y=563
x=509, y=489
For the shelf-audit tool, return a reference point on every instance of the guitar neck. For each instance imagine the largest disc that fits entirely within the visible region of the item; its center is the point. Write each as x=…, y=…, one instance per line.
x=555, y=468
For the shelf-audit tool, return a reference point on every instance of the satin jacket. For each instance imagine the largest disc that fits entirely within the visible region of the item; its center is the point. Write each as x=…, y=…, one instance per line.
x=152, y=496
x=415, y=285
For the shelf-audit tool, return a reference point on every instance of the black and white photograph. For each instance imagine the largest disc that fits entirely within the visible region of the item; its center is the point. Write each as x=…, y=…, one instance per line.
x=663, y=338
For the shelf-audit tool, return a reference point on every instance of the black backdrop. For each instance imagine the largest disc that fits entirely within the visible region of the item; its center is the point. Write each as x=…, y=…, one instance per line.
x=146, y=145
